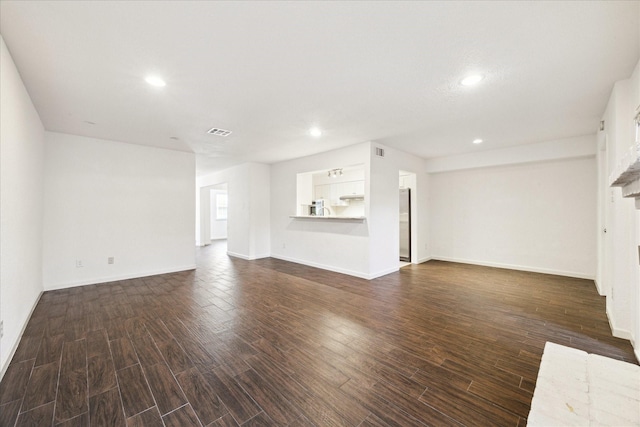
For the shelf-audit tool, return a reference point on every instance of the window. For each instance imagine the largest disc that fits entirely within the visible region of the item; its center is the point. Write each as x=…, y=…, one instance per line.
x=221, y=206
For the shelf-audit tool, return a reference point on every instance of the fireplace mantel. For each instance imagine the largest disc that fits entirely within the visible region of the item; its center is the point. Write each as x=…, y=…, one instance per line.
x=627, y=174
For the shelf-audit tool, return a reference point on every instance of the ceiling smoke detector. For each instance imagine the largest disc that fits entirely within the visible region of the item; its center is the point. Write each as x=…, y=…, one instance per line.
x=219, y=132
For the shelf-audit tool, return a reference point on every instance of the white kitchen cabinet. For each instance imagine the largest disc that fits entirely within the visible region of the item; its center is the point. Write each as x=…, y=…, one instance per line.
x=350, y=188
x=323, y=192
x=359, y=187
x=332, y=192
x=343, y=188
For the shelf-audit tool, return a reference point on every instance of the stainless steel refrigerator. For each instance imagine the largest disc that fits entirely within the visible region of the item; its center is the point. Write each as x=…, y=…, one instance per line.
x=405, y=224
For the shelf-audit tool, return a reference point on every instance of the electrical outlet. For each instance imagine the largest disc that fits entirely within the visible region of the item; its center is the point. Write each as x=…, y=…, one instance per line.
x=110, y=260
x=79, y=263
x=1, y=328
x=284, y=246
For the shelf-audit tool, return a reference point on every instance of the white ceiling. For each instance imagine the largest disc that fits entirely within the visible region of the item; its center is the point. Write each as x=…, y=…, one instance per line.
x=361, y=71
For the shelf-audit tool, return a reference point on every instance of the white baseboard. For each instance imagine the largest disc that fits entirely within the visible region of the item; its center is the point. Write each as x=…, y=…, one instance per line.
x=636, y=349
x=247, y=257
x=383, y=273
x=106, y=279
x=354, y=273
x=599, y=288
x=359, y=274
x=617, y=332
x=516, y=267
x=237, y=255
x=260, y=256
x=621, y=333
x=15, y=345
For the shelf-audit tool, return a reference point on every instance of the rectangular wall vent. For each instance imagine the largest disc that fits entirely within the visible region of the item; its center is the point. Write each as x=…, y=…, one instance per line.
x=379, y=152
x=219, y=132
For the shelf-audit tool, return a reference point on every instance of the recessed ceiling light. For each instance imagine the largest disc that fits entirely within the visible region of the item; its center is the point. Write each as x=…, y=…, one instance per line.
x=155, y=81
x=315, y=132
x=471, y=80
x=477, y=141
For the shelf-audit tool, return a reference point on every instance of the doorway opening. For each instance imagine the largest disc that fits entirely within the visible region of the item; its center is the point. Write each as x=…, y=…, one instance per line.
x=218, y=212
x=407, y=183
x=604, y=213
x=405, y=224
x=213, y=213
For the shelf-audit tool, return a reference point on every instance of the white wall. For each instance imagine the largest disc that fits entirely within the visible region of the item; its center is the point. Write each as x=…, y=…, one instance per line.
x=364, y=249
x=110, y=199
x=383, y=214
x=566, y=148
x=332, y=245
x=248, y=233
x=620, y=272
x=21, y=198
x=535, y=217
x=260, y=208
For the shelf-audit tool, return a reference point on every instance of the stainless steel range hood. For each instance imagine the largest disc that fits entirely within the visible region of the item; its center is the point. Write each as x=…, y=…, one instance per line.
x=352, y=197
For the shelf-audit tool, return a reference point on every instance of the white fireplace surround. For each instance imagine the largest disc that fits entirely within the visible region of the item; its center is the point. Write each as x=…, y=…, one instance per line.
x=627, y=172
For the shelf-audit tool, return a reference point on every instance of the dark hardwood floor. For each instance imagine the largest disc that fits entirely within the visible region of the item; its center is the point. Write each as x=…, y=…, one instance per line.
x=268, y=342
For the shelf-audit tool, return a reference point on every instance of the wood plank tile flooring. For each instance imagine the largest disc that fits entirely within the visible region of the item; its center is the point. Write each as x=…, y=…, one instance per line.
x=268, y=342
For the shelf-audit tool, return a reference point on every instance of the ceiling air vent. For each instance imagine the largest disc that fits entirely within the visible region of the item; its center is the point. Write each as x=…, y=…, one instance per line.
x=379, y=152
x=219, y=132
